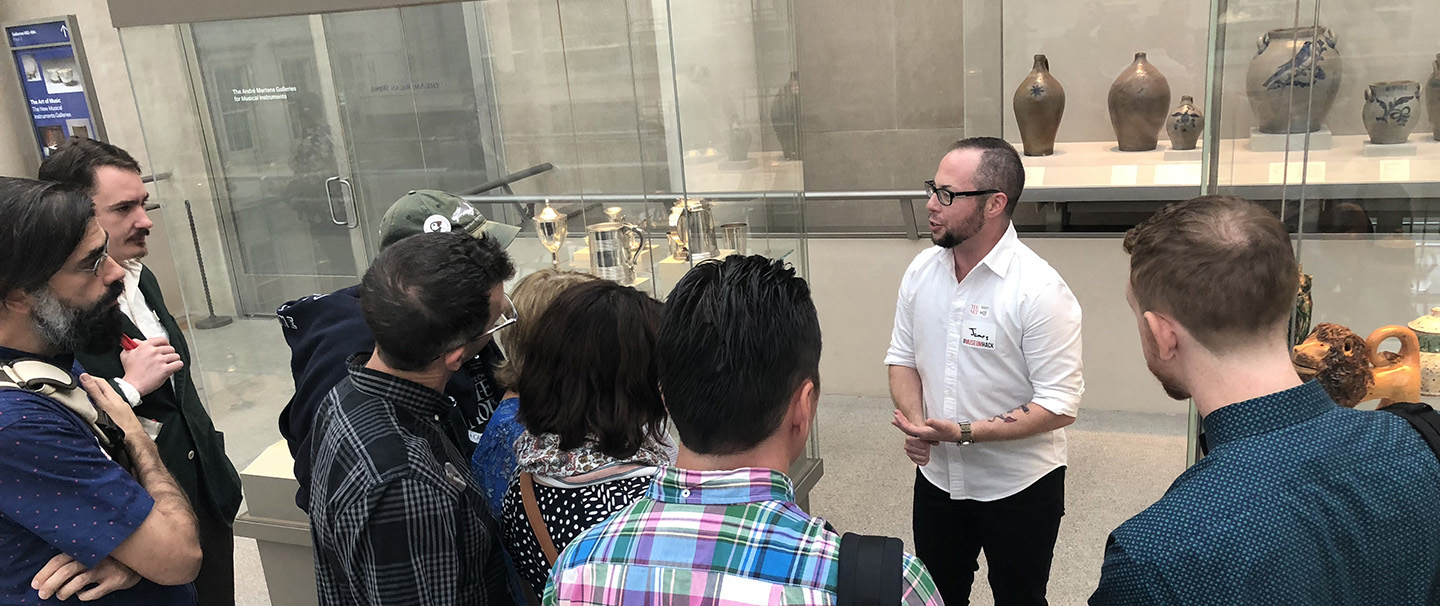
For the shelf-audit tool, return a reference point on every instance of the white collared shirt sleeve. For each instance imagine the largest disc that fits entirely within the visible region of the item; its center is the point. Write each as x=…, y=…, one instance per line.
x=132, y=395
x=1052, y=347
x=902, y=343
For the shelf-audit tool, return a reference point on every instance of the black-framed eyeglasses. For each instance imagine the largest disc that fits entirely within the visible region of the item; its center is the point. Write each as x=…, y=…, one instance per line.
x=947, y=197
x=100, y=262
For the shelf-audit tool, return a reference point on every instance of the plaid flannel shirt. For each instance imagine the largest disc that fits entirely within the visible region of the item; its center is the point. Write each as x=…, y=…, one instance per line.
x=395, y=516
x=728, y=538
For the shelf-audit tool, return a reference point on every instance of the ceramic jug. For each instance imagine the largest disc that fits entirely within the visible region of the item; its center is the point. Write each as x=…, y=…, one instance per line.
x=1427, y=328
x=1432, y=98
x=1039, y=104
x=1391, y=111
x=1185, y=124
x=1139, y=100
x=1293, y=79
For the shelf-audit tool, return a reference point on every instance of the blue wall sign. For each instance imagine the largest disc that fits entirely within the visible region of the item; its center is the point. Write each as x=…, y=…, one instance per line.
x=54, y=78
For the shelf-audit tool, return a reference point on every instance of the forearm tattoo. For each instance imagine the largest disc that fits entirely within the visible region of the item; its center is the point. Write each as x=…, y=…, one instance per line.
x=1009, y=417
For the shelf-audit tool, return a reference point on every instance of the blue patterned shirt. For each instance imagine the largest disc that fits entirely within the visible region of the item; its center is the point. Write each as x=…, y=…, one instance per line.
x=493, y=463
x=1300, y=501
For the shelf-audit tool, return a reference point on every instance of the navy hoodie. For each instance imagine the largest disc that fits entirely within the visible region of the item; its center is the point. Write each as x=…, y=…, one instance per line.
x=323, y=331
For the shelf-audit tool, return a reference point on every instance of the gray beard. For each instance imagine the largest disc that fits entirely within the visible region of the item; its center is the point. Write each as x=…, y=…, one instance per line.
x=71, y=329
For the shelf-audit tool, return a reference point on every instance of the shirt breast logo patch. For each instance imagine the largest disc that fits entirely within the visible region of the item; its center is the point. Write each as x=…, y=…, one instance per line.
x=982, y=311
x=978, y=335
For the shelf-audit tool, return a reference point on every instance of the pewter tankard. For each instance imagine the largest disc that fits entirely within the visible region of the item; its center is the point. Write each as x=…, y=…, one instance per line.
x=614, y=249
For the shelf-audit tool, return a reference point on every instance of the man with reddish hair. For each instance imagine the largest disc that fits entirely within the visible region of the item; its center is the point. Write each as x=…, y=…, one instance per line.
x=1299, y=501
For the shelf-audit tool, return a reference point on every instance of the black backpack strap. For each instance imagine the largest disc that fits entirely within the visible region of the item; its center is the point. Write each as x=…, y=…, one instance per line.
x=1423, y=418
x=872, y=570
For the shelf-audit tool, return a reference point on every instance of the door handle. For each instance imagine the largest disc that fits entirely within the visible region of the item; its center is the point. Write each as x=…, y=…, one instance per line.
x=352, y=210
x=330, y=203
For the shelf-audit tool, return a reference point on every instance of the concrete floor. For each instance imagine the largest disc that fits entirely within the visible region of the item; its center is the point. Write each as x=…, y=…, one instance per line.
x=1119, y=462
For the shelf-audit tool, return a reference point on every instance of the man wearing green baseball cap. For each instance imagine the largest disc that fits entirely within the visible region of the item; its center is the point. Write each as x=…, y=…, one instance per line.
x=324, y=330
x=430, y=210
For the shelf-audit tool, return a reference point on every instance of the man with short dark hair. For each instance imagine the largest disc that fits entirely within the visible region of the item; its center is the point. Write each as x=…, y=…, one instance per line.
x=73, y=521
x=150, y=365
x=395, y=516
x=739, y=352
x=1299, y=501
x=323, y=331
x=985, y=371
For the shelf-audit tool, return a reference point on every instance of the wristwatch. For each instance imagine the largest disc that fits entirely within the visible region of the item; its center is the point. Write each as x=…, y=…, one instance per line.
x=966, y=437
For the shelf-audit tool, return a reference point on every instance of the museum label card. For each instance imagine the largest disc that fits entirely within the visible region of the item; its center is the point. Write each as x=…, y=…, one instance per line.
x=1177, y=174
x=1124, y=174
x=1395, y=170
x=1034, y=176
x=1292, y=172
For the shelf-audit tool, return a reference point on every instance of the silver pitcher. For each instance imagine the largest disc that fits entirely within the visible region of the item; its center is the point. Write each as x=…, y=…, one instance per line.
x=614, y=249
x=694, y=223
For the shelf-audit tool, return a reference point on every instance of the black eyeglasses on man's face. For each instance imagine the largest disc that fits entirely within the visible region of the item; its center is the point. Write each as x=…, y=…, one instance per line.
x=947, y=197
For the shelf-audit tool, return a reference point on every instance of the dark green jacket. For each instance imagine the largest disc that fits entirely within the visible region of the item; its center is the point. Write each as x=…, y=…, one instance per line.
x=186, y=426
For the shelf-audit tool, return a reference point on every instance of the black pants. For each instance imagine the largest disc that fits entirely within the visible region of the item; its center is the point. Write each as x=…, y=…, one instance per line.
x=1017, y=533
x=216, y=584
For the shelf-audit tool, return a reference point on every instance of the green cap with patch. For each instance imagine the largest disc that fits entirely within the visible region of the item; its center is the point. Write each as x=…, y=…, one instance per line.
x=424, y=211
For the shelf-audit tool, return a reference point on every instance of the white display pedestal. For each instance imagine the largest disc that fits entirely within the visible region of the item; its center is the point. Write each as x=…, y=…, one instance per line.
x=745, y=164
x=1267, y=142
x=280, y=529
x=1377, y=150
x=1182, y=155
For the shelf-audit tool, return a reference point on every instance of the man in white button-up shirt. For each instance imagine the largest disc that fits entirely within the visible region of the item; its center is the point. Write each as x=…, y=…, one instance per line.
x=985, y=371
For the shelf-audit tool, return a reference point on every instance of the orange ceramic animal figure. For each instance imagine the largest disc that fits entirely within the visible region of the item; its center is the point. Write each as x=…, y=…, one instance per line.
x=1397, y=376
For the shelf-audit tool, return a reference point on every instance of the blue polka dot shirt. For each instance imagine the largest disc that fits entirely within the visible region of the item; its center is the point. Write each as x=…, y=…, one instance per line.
x=1299, y=501
x=59, y=492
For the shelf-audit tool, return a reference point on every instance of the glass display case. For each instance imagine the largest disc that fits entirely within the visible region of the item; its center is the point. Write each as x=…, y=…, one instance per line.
x=1331, y=115
x=287, y=137
x=1326, y=111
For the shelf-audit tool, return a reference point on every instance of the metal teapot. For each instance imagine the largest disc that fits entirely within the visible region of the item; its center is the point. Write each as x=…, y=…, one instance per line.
x=693, y=223
x=614, y=250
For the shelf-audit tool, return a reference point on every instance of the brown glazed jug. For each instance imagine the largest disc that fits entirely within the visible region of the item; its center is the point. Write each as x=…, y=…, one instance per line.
x=1039, y=104
x=1139, y=101
x=1432, y=97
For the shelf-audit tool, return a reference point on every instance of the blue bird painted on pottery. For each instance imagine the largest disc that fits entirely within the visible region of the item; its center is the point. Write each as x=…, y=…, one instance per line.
x=1300, y=71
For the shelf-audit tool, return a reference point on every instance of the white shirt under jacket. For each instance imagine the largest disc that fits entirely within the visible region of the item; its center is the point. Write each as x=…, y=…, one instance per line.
x=1008, y=334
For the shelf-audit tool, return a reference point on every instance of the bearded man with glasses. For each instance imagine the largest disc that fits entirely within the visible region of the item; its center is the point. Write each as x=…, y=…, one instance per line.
x=985, y=372
x=89, y=509
x=395, y=517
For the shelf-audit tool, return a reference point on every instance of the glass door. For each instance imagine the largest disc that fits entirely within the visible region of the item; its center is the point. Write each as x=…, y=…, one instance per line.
x=319, y=123
x=277, y=155
x=416, y=107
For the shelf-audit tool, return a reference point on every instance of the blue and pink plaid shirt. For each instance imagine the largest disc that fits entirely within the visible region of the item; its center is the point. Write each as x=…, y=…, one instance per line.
x=725, y=538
